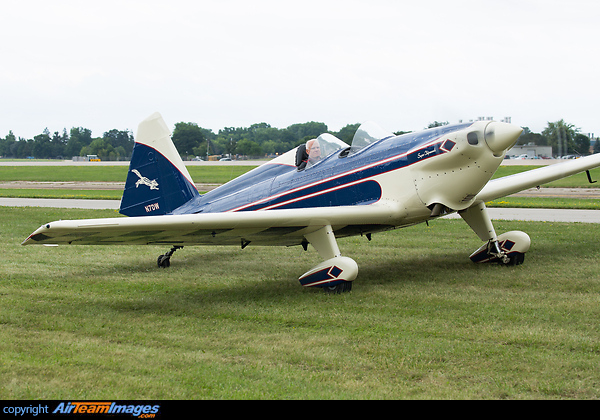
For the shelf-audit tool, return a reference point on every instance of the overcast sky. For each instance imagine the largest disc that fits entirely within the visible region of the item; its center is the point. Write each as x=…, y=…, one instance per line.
x=231, y=63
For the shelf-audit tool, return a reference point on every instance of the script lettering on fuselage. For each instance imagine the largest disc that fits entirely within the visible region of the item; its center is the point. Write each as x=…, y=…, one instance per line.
x=425, y=154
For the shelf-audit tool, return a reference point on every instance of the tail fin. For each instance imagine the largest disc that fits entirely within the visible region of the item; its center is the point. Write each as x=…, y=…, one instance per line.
x=157, y=182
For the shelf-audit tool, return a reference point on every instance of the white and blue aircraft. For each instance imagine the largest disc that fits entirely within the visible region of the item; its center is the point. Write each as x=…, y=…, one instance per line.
x=319, y=192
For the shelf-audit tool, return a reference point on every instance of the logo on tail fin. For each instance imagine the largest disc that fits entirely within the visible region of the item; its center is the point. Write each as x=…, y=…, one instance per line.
x=145, y=181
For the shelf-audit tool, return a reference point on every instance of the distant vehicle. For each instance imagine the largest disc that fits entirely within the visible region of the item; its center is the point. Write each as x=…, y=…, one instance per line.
x=93, y=158
x=198, y=159
x=225, y=160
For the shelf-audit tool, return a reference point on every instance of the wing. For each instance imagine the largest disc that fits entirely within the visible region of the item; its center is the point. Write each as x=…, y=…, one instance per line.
x=507, y=185
x=268, y=227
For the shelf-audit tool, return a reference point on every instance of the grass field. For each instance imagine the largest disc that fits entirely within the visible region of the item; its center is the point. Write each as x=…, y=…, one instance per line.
x=422, y=321
x=62, y=193
x=206, y=174
x=546, y=203
x=579, y=180
x=223, y=174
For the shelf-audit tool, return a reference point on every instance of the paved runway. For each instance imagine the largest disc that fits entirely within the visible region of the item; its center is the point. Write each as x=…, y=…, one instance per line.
x=540, y=215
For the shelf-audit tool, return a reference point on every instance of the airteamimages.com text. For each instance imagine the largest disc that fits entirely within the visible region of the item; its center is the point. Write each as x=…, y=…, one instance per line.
x=112, y=408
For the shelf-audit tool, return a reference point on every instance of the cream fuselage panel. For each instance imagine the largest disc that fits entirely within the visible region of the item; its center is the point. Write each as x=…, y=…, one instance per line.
x=455, y=178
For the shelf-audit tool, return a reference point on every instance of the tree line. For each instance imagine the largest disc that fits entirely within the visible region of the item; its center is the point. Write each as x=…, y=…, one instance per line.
x=564, y=138
x=113, y=145
x=258, y=140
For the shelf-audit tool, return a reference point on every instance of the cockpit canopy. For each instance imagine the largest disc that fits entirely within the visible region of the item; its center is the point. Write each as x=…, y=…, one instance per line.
x=316, y=150
x=368, y=133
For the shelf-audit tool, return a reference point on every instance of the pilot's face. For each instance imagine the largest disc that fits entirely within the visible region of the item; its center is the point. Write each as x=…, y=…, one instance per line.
x=315, y=150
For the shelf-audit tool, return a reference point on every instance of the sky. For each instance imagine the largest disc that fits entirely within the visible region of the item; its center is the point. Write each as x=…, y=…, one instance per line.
x=109, y=64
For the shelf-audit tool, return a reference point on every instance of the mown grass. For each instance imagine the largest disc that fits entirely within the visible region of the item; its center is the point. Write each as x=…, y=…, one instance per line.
x=510, y=202
x=62, y=193
x=222, y=174
x=204, y=174
x=210, y=174
x=422, y=321
x=546, y=203
x=579, y=180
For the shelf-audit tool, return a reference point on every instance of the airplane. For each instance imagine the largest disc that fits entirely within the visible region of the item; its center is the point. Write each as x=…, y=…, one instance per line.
x=318, y=192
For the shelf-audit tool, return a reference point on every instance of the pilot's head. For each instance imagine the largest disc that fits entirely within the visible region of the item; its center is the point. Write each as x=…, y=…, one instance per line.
x=313, y=149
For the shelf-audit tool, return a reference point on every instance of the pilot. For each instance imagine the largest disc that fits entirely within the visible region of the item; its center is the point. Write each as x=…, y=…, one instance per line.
x=309, y=152
x=313, y=149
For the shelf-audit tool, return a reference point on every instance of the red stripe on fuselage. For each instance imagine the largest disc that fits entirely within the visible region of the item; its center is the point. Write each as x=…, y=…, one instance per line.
x=340, y=175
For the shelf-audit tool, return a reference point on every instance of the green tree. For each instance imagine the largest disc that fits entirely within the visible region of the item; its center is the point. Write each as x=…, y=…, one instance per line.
x=248, y=148
x=6, y=143
x=312, y=129
x=187, y=137
x=561, y=136
x=59, y=141
x=270, y=147
x=42, y=146
x=346, y=133
x=527, y=137
x=100, y=147
x=122, y=139
x=79, y=137
x=582, y=144
x=22, y=148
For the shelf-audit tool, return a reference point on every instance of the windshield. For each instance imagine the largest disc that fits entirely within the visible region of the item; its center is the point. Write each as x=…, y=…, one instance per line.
x=368, y=133
x=321, y=147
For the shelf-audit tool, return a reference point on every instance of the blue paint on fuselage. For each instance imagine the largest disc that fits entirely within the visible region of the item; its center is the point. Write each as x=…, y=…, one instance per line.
x=335, y=181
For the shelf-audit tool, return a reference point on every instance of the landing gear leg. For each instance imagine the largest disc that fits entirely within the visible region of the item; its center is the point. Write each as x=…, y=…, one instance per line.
x=478, y=218
x=164, y=260
x=507, y=249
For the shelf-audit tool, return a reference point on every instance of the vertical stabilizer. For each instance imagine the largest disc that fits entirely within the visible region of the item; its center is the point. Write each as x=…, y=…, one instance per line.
x=157, y=182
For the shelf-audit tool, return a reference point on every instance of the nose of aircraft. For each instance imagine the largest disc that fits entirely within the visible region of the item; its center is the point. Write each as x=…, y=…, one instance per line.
x=501, y=136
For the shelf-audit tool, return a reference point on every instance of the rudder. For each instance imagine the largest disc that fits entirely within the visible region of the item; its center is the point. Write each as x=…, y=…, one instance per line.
x=157, y=182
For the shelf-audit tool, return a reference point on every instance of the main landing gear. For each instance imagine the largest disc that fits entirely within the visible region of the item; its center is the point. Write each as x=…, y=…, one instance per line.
x=164, y=260
x=506, y=249
x=336, y=273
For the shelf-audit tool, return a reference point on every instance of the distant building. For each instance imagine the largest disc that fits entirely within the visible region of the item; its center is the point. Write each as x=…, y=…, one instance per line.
x=531, y=150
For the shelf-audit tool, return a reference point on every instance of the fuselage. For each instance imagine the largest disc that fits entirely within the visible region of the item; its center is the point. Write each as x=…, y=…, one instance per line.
x=381, y=182
x=406, y=169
